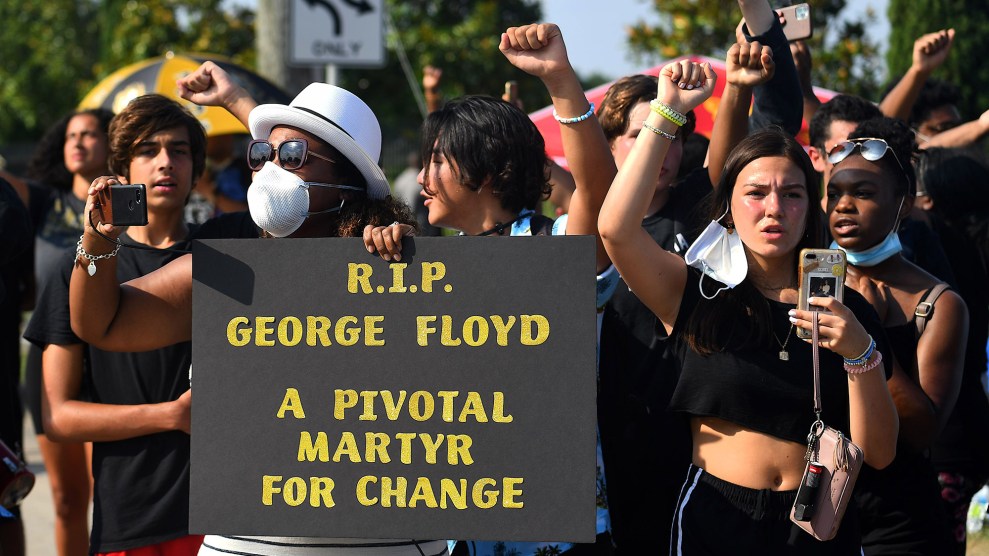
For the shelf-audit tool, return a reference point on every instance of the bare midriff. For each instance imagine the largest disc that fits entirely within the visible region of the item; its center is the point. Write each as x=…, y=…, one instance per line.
x=745, y=457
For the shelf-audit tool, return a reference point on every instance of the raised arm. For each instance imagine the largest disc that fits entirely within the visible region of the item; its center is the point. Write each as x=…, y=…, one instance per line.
x=961, y=136
x=210, y=85
x=147, y=313
x=539, y=50
x=747, y=65
x=777, y=101
x=802, y=60
x=431, y=88
x=929, y=52
x=67, y=419
x=654, y=274
x=925, y=401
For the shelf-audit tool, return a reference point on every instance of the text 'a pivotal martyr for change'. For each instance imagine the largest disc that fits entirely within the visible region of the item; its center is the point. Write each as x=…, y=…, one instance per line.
x=451, y=395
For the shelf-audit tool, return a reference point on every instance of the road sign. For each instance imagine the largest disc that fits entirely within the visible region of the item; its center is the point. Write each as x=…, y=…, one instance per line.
x=343, y=32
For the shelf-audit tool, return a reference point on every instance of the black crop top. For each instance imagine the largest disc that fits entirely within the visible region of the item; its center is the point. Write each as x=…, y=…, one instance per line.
x=754, y=388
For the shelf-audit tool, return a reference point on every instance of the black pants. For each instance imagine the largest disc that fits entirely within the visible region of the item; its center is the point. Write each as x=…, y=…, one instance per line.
x=716, y=517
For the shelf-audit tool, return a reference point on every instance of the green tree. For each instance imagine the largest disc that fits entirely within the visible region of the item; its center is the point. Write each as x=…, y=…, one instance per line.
x=845, y=57
x=47, y=52
x=460, y=36
x=62, y=47
x=909, y=19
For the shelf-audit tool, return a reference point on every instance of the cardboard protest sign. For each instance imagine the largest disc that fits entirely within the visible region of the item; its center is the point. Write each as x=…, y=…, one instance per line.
x=451, y=395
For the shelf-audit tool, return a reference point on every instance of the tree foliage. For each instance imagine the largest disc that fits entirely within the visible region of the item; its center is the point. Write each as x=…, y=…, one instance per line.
x=61, y=48
x=845, y=57
x=909, y=19
x=45, y=55
x=459, y=36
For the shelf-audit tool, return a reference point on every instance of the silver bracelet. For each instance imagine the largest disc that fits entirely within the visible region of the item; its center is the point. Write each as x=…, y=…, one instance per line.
x=80, y=252
x=659, y=132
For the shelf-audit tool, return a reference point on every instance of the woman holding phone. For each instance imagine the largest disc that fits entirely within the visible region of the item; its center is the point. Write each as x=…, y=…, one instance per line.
x=749, y=408
x=871, y=190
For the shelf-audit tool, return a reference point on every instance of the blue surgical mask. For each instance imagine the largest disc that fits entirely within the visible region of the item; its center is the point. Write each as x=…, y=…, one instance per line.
x=879, y=252
x=876, y=254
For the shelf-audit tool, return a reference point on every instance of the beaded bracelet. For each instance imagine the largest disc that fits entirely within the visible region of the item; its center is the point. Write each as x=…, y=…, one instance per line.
x=659, y=132
x=862, y=359
x=582, y=117
x=666, y=111
x=859, y=369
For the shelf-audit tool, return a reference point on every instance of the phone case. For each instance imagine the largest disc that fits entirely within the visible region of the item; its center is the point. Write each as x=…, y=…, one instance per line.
x=123, y=205
x=822, y=273
x=798, y=25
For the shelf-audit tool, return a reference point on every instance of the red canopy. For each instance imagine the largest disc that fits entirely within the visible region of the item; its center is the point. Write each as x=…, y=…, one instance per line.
x=705, y=113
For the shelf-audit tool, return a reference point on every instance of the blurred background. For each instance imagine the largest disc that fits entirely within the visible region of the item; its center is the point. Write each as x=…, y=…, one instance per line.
x=62, y=49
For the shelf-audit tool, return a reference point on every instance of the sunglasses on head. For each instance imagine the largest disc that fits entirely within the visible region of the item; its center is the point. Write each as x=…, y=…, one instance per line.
x=292, y=154
x=872, y=149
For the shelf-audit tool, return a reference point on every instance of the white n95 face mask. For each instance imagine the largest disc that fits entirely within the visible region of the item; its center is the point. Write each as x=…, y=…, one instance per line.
x=718, y=253
x=279, y=200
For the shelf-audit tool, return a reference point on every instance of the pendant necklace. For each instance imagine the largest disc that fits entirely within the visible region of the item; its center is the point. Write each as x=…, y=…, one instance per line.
x=784, y=355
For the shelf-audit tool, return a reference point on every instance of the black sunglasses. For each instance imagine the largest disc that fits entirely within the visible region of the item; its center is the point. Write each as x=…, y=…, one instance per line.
x=291, y=154
x=872, y=150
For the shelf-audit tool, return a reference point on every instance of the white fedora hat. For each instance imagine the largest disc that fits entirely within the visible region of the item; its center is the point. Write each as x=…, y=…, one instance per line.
x=336, y=116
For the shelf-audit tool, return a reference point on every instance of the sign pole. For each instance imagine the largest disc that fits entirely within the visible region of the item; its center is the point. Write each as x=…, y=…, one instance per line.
x=332, y=74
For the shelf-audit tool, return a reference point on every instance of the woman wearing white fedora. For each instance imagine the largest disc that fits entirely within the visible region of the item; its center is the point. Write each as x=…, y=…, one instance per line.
x=327, y=139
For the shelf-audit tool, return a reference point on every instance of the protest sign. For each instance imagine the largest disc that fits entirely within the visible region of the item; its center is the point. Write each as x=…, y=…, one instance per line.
x=449, y=395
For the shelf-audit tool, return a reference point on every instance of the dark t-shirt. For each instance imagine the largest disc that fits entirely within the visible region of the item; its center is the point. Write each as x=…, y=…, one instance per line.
x=639, y=438
x=59, y=228
x=141, y=492
x=752, y=387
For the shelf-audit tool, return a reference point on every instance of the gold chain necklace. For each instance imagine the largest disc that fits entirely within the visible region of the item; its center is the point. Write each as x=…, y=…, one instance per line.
x=784, y=355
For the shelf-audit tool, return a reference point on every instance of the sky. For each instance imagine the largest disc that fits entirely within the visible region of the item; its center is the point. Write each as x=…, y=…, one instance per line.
x=605, y=51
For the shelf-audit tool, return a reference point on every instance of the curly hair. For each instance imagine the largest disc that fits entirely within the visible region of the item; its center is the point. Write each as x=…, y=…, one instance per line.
x=489, y=141
x=934, y=94
x=900, y=138
x=143, y=117
x=846, y=108
x=47, y=165
x=374, y=212
x=623, y=96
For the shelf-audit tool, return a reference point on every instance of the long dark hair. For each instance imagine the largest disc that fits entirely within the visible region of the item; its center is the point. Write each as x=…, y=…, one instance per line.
x=742, y=313
x=47, y=165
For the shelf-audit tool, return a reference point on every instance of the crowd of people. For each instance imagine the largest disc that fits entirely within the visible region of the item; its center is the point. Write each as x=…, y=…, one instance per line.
x=702, y=430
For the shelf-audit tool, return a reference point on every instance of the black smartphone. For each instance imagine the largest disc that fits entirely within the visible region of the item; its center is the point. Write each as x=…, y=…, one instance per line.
x=123, y=205
x=822, y=274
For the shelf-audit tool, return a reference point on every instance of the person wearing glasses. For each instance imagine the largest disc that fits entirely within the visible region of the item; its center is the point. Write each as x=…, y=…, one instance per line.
x=316, y=176
x=870, y=191
x=748, y=413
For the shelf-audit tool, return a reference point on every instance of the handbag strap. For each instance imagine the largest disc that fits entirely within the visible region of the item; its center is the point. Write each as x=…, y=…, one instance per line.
x=815, y=334
x=925, y=309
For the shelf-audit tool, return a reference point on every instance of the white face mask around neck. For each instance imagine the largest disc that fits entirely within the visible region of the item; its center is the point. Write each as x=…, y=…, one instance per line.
x=718, y=253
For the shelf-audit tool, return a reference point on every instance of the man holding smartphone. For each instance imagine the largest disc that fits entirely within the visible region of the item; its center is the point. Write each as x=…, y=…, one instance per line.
x=134, y=407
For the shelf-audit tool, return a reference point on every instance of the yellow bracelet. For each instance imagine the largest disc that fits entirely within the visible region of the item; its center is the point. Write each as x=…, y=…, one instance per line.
x=666, y=111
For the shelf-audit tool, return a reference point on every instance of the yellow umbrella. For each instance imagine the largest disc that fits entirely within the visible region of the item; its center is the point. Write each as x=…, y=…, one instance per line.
x=158, y=75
